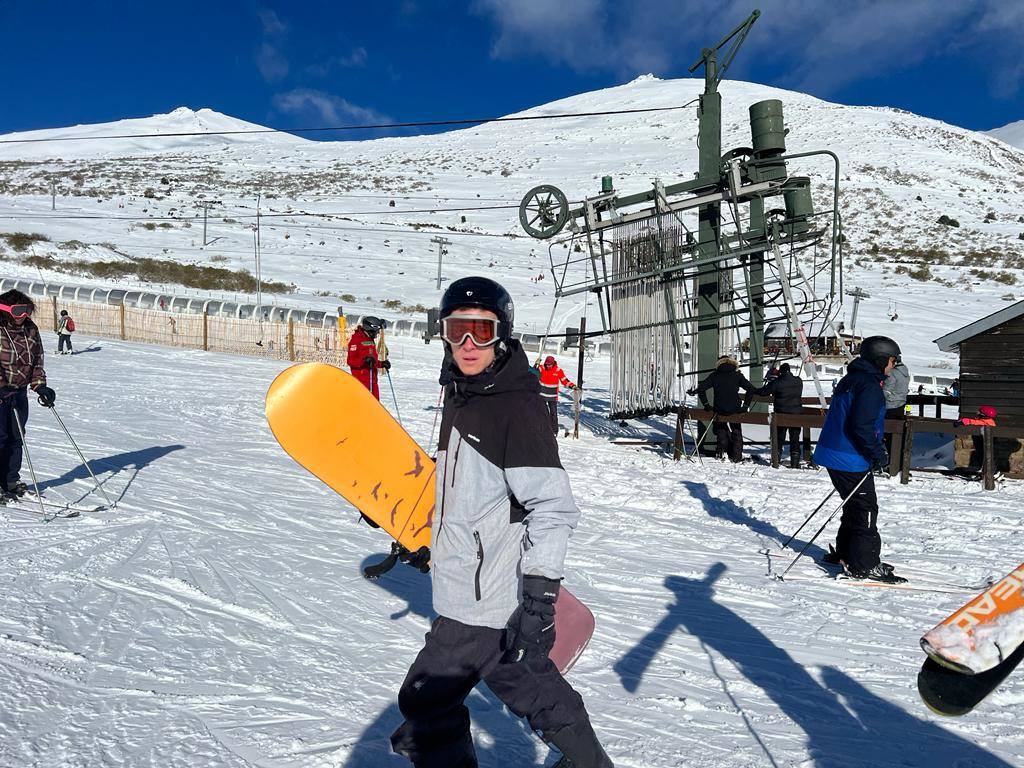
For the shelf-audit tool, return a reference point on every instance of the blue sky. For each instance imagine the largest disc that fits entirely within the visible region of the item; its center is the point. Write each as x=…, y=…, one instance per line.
x=313, y=63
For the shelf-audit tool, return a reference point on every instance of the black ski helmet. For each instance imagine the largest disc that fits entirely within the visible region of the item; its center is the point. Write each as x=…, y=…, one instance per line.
x=483, y=293
x=372, y=325
x=878, y=349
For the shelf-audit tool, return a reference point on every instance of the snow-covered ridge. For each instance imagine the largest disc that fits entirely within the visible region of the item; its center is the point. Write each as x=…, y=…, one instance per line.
x=180, y=120
x=900, y=174
x=1012, y=134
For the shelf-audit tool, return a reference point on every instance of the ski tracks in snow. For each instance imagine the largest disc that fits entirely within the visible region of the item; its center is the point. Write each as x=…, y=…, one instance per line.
x=218, y=617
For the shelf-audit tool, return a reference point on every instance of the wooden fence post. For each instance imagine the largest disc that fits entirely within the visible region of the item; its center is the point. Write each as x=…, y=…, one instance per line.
x=678, y=444
x=897, y=450
x=123, y=336
x=206, y=332
x=908, y=447
x=291, y=339
x=988, y=460
x=774, y=440
x=56, y=318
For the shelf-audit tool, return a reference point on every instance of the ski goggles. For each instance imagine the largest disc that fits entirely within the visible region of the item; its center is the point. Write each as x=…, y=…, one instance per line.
x=17, y=310
x=455, y=329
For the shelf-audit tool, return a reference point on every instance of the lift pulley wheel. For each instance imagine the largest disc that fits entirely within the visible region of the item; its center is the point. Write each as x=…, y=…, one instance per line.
x=544, y=211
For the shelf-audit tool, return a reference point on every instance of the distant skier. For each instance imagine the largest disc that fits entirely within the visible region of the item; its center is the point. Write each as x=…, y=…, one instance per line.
x=787, y=391
x=21, y=367
x=895, y=389
x=504, y=515
x=65, y=327
x=850, y=447
x=362, y=354
x=725, y=382
x=552, y=378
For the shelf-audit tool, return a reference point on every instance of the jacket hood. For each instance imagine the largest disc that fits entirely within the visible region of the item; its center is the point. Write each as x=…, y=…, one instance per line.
x=863, y=366
x=509, y=373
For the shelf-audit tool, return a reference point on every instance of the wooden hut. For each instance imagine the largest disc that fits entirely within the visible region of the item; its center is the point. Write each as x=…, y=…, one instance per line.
x=991, y=363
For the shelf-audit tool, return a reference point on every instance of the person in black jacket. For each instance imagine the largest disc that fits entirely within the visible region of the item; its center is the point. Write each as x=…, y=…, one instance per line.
x=504, y=516
x=787, y=392
x=725, y=383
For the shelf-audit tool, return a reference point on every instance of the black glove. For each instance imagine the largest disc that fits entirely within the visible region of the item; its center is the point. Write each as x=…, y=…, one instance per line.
x=369, y=361
x=530, y=632
x=691, y=392
x=46, y=396
x=420, y=559
x=385, y=364
x=880, y=464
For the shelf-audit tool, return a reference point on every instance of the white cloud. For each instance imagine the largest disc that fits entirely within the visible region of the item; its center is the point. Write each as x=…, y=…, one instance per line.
x=271, y=62
x=819, y=46
x=354, y=59
x=326, y=108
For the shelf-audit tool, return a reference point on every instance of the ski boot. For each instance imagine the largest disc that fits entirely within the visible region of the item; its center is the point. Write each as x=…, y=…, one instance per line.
x=883, y=572
x=17, y=489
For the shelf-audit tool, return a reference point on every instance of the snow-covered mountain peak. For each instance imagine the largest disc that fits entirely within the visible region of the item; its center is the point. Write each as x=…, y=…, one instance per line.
x=1012, y=134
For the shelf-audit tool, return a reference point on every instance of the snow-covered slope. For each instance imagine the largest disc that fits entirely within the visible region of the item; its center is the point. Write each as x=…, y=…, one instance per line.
x=1011, y=133
x=900, y=174
x=218, y=616
x=43, y=144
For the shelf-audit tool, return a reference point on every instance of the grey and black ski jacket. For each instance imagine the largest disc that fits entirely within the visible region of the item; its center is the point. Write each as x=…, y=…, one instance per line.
x=504, y=505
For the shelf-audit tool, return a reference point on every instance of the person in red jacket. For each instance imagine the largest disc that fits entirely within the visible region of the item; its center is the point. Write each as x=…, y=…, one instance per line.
x=551, y=378
x=986, y=417
x=362, y=354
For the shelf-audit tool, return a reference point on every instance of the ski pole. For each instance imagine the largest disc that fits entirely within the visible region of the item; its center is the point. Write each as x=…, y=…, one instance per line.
x=696, y=448
x=805, y=522
x=28, y=457
x=437, y=410
x=823, y=525
x=85, y=461
x=398, y=413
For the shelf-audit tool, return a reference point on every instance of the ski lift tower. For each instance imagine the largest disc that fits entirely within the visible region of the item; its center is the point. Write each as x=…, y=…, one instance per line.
x=685, y=272
x=709, y=132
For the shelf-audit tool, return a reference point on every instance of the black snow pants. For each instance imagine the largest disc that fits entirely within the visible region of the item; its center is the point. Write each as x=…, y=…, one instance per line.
x=729, y=440
x=11, y=401
x=552, y=404
x=63, y=340
x=455, y=658
x=857, y=543
x=794, y=443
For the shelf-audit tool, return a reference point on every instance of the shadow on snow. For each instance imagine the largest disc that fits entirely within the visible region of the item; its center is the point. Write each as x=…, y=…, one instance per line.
x=846, y=724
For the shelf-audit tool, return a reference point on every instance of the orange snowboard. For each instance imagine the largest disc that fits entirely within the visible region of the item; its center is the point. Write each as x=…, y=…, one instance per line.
x=330, y=424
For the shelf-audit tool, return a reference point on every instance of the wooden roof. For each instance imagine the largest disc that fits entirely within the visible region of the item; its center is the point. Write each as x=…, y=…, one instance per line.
x=951, y=341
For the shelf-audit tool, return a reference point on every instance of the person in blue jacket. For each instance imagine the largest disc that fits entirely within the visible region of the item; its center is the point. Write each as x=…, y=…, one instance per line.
x=851, y=448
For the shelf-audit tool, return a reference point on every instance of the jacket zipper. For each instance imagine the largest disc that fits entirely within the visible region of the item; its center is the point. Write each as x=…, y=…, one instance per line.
x=480, y=563
x=455, y=465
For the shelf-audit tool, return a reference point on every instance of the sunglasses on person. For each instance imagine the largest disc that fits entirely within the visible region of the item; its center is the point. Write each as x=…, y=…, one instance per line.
x=17, y=310
x=455, y=329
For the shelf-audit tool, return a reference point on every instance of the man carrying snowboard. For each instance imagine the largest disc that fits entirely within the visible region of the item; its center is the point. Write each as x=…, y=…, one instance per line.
x=851, y=448
x=503, y=517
